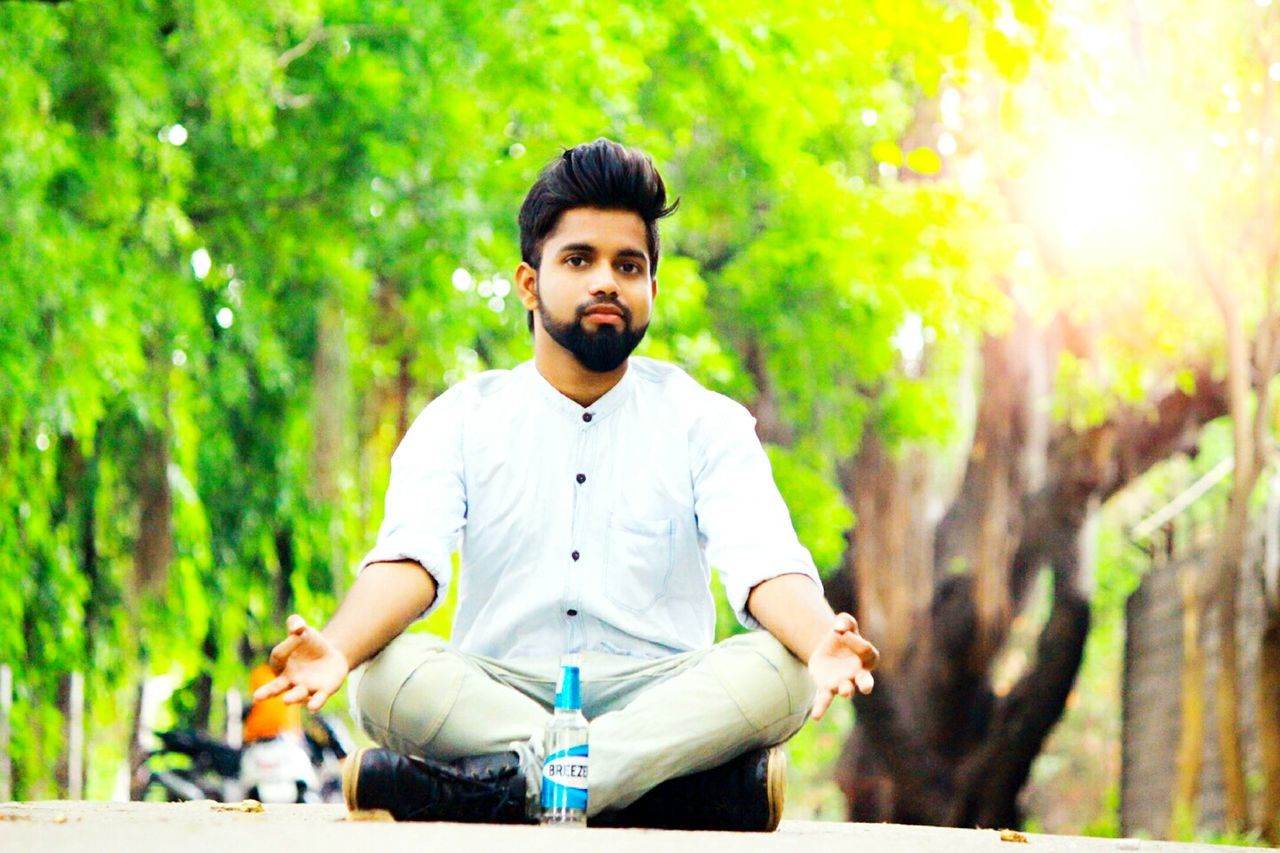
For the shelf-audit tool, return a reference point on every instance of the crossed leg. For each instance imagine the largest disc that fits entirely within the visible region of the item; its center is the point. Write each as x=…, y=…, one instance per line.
x=650, y=720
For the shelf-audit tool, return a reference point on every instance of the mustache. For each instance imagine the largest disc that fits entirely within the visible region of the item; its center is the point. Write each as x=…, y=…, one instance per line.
x=613, y=301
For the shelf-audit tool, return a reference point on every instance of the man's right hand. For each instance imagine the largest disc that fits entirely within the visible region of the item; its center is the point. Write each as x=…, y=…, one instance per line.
x=309, y=667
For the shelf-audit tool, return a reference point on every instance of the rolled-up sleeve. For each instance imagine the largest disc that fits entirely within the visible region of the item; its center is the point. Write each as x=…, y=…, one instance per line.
x=743, y=524
x=426, y=503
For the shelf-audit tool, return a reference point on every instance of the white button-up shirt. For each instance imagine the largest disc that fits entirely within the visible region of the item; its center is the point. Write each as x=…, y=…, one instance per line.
x=587, y=529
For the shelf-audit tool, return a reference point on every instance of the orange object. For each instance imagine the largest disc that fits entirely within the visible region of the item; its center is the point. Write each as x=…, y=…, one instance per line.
x=270, y=717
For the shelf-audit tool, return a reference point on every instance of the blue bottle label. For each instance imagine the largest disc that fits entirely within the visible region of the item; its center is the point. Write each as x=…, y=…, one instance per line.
x=564, y=779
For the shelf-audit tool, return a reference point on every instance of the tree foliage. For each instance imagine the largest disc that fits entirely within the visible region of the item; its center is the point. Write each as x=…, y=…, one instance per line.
x=244, y=244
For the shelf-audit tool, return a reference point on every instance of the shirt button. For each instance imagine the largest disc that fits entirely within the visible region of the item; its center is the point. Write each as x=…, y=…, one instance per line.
x=575, y=555
x=581, y=478
x=572, y=612
x=586, y=416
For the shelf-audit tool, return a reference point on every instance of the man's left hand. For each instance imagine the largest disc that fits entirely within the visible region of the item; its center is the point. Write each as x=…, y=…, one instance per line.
x=842, y=660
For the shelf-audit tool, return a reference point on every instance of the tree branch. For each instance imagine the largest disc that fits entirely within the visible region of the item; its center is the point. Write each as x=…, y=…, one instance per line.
x=1143, y=437
x=991, y=778
x=318, y=34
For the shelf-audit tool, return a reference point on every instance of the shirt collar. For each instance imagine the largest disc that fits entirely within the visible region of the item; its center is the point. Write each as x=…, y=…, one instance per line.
x=613, y=399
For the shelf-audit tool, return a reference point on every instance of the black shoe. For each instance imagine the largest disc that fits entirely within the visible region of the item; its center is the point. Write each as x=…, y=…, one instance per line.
x=742, y=795
x=482, y=789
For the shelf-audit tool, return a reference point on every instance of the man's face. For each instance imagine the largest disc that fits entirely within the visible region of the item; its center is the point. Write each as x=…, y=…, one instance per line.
x=593, y=291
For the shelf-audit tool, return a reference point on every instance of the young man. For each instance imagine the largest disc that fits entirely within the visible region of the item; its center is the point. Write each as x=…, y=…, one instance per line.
x=591, y=493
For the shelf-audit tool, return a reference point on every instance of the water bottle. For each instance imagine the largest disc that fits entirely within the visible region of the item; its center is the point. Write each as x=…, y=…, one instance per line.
x=564, y=773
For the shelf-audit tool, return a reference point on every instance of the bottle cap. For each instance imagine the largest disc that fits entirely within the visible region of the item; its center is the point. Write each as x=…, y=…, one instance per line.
x=569, y=696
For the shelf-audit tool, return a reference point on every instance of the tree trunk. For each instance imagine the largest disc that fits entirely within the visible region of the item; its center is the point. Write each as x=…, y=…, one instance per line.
x=75, y=735
x=983, y=525
x=934, y=744
x=1190, y=761
x=202, y=684
x=136, y=751
x=154, y=547
x=331, y=407
x=1227, y=708
x=886, y=495
x=1246, y=375
x=284, y=580
x=1222, y=599
x=1268, y=721
x=994, y=774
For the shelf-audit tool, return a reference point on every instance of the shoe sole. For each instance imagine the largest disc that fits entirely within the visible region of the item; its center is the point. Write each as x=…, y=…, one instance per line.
x=776, y=786
x=351, y=778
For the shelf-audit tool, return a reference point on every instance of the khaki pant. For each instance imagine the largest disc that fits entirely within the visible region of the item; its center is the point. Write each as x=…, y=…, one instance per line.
x=650, y=720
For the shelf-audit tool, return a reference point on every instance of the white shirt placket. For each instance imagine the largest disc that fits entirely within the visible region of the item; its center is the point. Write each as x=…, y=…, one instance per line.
x=581, y=556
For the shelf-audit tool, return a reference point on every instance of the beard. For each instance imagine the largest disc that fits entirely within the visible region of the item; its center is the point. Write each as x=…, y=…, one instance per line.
x=600, y=351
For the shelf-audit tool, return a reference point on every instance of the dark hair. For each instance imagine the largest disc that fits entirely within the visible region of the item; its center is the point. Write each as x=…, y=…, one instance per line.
x=601, y=174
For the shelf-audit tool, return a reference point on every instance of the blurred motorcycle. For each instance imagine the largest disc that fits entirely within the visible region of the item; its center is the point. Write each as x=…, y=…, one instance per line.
x=191, y=765
x=283, y=760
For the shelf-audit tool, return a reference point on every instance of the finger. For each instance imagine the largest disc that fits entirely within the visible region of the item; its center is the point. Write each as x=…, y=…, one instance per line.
x=296, y=694
x=280, y=654
x=861, y=647
x=869, y=657
x=295, y=624
x=821, y=702
x=844, y=622
x=845, y=688
x=272, y=688
x=317, y=700
x=866, y=681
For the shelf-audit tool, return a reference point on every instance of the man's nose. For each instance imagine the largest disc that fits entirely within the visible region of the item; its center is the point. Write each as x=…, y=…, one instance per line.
x=603, y=281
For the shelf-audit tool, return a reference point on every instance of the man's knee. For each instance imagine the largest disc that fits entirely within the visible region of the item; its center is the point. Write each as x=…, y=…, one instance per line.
x=772, y=684
x=380, y=694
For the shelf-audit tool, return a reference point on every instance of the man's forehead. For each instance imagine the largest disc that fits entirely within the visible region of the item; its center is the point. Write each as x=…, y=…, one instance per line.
x=605, y=230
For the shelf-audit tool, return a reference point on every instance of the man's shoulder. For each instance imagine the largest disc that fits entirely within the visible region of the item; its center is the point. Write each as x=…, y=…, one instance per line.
x=465, y=396
x=692, y=400
x=488, y=383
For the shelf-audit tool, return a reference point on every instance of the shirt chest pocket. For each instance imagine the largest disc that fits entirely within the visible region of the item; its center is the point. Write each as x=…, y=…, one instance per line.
x=637, y=561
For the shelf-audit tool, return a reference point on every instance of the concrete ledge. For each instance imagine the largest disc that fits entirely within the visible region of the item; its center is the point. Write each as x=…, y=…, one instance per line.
x=55, y=826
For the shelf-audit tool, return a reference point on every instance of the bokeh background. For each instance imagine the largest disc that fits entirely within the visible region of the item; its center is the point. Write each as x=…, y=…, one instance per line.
x=997, y=278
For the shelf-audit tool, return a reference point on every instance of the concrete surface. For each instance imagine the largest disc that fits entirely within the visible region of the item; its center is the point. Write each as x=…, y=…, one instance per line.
x=56, y=826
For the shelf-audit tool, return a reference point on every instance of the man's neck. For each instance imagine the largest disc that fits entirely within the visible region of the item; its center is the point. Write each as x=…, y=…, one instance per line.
x=567, y=375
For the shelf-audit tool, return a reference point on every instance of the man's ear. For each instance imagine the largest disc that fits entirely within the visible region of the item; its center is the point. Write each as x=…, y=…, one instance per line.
x=653, y=282
x=527, y=286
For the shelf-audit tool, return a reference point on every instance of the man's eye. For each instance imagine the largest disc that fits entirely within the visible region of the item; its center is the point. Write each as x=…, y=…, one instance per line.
x=630, y=268
x=575, y=260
